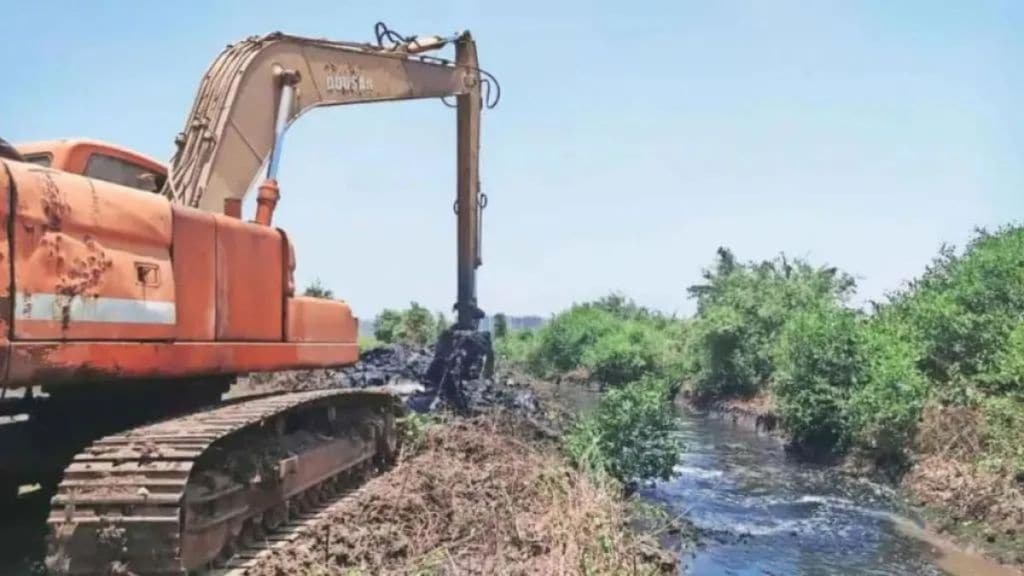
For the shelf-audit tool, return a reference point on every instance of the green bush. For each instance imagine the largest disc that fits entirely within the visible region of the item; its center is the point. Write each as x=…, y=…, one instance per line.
x=1004, y=435
x=1007, y=373
x=418, y=325
x=414, y=325
x=741, y=307
x=568, y=336
x=716, y=358
x=820, y=361
x=631, y=435
x=517, y=348
x=387, y=325
x=965, y=308
x=626, y=354
x=885, y=410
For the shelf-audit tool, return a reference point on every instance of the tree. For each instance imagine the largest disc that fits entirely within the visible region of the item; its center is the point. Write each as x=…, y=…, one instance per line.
x=417, y=325
x=500, y=328
x=316, y=289
x=387, y=326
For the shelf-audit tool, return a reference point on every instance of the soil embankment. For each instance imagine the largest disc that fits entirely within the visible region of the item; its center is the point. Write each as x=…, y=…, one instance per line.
x=475, y=496
x=486, y=491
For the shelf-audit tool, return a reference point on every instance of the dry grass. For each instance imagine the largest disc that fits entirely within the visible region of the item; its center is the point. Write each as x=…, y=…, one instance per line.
x=477, y=498
x=948, y=473
x=950, y=432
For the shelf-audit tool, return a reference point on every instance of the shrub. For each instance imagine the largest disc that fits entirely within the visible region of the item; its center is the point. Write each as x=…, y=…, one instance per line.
x=819, y=357
x=415, y=325
x=626, y=354
x=386, y=326
x=884, y=412
x=741, y=307
x=718, y=362
x=1007, y=373
x=1004, y=435
x=564, y=341
x=517, y=348
x=965, y=307
x=631, y=435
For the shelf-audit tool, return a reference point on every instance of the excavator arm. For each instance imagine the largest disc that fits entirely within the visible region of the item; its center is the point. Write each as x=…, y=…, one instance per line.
x=257, y=87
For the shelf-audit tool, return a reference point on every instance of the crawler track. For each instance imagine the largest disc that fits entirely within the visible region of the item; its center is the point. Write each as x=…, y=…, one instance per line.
x=308, y=516
x=184, y=494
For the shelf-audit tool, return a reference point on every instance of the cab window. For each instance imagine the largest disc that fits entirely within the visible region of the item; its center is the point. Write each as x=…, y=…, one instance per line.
x=118, y=171
x=39, y=159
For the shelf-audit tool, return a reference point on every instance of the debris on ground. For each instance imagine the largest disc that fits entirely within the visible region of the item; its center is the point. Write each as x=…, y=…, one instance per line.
x=477, y=497
x=457, y=374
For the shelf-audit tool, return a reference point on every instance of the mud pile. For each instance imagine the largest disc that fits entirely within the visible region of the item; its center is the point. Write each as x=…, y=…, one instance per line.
x=389, y=364
x=474, y=496
x=456, y=374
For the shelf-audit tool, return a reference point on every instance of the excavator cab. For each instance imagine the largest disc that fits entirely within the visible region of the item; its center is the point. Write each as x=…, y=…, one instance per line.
x=98, y=160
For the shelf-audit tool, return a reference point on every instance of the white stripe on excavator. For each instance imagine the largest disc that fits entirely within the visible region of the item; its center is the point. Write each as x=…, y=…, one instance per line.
x=92, y=309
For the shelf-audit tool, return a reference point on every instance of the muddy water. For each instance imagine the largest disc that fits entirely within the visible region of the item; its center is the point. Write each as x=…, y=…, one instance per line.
x=764, y=513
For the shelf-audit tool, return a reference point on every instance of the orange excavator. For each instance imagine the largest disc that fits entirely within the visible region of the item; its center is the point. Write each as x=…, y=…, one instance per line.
x=132, y=294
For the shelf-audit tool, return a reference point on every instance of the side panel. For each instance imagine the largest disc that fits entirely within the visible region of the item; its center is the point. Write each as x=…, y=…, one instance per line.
x=91, y=259
x=250, y=282
x=319, y=320
x=195, y=272
x=81, y=362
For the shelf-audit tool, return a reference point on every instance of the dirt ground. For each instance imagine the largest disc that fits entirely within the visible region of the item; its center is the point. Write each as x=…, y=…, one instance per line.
x=476, y=496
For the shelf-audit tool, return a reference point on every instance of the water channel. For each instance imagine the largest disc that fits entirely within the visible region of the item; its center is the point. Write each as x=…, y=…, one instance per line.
x=763, y=512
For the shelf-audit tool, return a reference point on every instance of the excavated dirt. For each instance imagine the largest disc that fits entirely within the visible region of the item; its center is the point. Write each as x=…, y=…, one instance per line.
x=457, y=374
x=474, y=496
x=391, y=364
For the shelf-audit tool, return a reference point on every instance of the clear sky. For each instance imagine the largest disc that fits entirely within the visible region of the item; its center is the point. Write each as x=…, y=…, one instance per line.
x=632, y=138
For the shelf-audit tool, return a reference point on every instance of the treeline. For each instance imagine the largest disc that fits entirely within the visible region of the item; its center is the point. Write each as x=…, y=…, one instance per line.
x=414, y=325
x=842, y=377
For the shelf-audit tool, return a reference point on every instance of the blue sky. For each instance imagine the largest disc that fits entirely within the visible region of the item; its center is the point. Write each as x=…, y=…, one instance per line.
x=632, y=139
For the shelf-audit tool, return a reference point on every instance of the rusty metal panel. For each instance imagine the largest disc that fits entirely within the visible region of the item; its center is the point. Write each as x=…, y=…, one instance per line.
x=250, y=281
x=319, y=320
x=195, y=272
x=91, y=259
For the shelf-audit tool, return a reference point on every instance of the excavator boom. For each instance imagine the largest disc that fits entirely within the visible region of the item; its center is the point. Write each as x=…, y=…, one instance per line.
x=256, y=88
